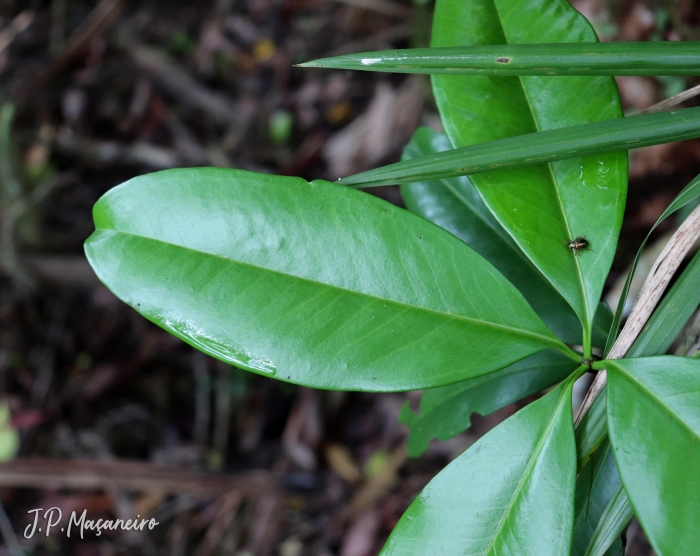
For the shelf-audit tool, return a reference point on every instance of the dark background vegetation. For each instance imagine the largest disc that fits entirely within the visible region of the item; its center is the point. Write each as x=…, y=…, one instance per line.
x=94, y=93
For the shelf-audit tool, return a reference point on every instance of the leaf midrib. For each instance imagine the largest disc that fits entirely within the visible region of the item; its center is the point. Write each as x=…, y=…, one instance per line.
x=555, y=342
x=579, y=274
x=530, y=464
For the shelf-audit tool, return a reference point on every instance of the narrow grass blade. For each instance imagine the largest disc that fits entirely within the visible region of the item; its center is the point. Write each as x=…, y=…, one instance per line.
x=620, y=58
x=596, y=486
x=617, y=515
x=538, y=148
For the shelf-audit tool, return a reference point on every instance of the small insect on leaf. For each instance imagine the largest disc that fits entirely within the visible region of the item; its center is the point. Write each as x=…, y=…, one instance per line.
x=578, y=244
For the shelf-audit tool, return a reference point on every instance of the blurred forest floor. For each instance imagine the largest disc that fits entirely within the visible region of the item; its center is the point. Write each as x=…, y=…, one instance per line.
x=120, y=418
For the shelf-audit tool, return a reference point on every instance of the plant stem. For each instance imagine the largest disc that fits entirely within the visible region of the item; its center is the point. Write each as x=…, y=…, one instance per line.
x=579, y=372
x=671, y=101
x=570, y=353
x=587, y=342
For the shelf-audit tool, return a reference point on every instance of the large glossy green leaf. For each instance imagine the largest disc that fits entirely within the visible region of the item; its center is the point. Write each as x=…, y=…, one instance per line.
x=595, y=488
x=654, y=423
x=454, y=204
x=511, y=493
x=541, y=206
x=315, y=283
x=616, y=58
x=445, y=412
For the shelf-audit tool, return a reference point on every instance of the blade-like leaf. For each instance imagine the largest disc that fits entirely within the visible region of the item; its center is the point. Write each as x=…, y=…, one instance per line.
x=511, y=493
x=541, y=207
x=536, y=148
x=654, y=423
x=312, y=282
x=595, y=488
x=689, y=193
x=616, y=58
x=454, y=204
x=445, y=412
x=615, y=519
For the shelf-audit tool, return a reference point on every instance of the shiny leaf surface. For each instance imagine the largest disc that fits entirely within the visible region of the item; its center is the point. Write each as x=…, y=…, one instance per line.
x=445, y=412
x=511, y=493
x=654, y=424
x=313, y=283
x=542, y=207
x=615, y=58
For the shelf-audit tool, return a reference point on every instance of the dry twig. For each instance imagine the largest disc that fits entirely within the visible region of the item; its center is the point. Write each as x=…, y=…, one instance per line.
x=672, y=101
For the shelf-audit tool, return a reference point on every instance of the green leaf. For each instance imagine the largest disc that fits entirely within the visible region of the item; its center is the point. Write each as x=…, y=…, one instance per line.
x=512, y=492
x=313, y=283
x=541, y=207
x=654, y=424
x=454, y=204
x=445, y=412
x=689, y=193
x=615, y=519
x=533, y=149
x=596, y=486
x=616, y=58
